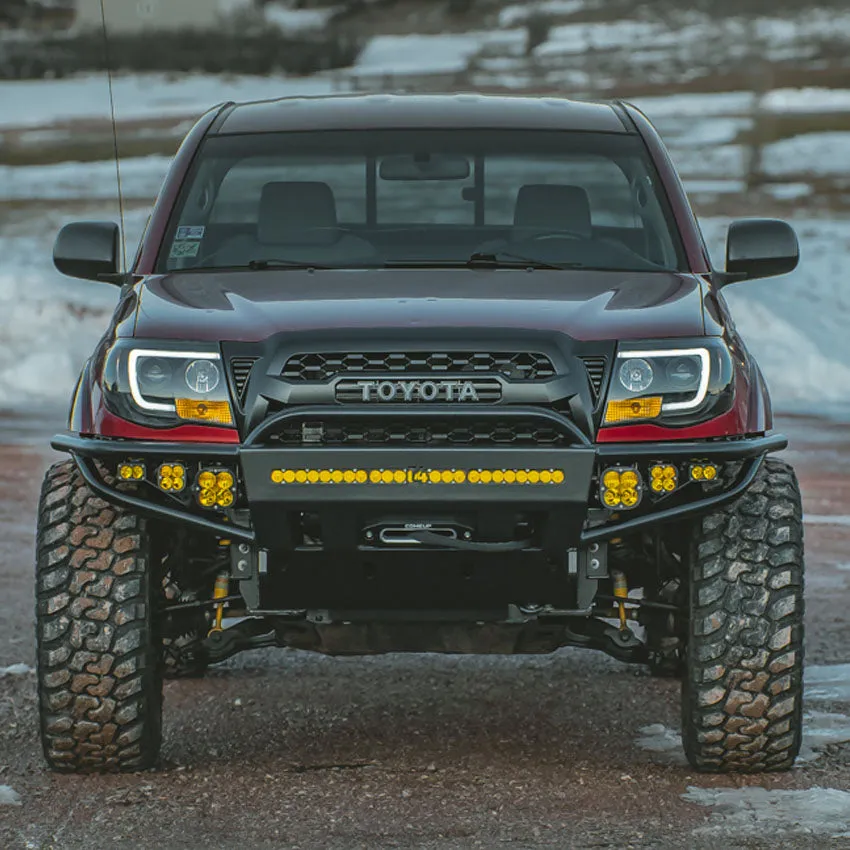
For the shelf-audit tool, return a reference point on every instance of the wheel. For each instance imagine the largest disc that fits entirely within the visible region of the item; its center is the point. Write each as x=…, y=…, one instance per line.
x=99, y=678
x=742, y=693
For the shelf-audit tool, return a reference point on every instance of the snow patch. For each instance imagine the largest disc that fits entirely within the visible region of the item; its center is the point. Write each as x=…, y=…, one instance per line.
x=9, y=796
x=752, y=811
x=827, y=682
x=663, y=741
x=298, y=20
x=828, y=519
x=822, y=729
x=821, y=154
x=15, y=670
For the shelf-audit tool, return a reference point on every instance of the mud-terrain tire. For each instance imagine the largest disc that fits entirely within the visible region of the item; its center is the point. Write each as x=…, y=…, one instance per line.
x=742, y=693
x=99, y=676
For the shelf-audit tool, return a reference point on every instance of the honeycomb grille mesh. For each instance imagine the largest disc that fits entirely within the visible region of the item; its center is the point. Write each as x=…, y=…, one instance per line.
x=423, y=435
x=515, y=366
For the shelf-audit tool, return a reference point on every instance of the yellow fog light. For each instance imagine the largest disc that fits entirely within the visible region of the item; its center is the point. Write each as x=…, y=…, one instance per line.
x=635, y=408
x=170, y=478
x=622, y=487
x=224, y=480
x=207, y=498
x=204, y=411
x=129, y=471
x=224, y=498
x=703, y=472
x=207, y=480
x=279, y=476
x=664, y=478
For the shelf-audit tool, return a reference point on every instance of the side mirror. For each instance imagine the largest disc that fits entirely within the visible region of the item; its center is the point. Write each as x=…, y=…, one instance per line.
x=760, y=247
x=88, y=250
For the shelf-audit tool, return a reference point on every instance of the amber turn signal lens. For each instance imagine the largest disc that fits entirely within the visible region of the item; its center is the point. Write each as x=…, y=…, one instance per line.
x=204, y=411
x=636, y=408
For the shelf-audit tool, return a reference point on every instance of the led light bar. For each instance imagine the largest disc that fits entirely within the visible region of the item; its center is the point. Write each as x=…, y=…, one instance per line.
x=418, y=476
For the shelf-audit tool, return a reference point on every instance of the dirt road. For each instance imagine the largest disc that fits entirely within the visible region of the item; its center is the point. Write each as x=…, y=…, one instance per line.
x=288, y=750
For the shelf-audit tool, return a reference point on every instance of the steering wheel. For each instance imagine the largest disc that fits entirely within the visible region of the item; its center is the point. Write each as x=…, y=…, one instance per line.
x=555, y=234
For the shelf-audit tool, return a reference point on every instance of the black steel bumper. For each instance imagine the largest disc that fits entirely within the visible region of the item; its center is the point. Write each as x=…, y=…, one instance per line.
x=568, y=493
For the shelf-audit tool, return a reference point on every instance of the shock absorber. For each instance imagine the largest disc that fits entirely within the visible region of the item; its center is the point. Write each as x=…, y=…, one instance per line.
x=621, y=591
x=220, y=591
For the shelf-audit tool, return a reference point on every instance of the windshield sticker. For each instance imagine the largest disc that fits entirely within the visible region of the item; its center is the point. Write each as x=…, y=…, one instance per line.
x=184, y=248
x=190, y=232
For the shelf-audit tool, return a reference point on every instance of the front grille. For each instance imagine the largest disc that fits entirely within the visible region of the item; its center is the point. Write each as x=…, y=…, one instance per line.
x=516, y=366
x=240, y=368
x=595, y=372
x=436, y=434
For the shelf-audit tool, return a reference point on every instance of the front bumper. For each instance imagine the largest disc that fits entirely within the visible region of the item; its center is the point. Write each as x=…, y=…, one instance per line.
x=566, y=495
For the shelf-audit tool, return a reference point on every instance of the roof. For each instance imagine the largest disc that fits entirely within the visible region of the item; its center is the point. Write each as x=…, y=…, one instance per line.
x=392, y=111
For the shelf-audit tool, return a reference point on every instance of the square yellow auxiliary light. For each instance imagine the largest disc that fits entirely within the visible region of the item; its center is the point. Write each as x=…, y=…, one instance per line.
x=204, y=411
x=634, y=408
x=663, y=478
x=215, y=488
x=171, y=477
x=131, y=470
x=620, y=488
x=703, y=472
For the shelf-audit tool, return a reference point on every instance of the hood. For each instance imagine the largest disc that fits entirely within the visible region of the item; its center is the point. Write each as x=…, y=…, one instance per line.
x=251, y=306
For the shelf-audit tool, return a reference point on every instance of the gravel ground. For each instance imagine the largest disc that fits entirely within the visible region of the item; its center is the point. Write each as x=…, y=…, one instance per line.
x=288, y=750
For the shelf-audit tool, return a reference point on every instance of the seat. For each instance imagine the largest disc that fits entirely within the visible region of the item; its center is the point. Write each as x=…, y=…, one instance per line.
x=550, y=207
x=297, y=221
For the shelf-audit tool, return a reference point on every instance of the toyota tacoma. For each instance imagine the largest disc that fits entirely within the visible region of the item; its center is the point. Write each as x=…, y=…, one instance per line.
x=421, y=374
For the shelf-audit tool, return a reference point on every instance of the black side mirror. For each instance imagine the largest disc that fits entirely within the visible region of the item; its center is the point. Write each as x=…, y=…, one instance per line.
x=760, y=247
x=89, y=250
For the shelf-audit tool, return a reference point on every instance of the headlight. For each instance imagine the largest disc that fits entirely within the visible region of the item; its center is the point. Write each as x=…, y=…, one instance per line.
x=161, y=386
x=682, y=383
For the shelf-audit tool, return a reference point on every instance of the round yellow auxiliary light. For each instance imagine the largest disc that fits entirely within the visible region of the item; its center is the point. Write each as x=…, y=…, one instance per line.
x=611, y=478
x=486, y=476
x=669, y=485
x=301, y=476
x=337, y=477
x=325, y=476
x=558, y=476
x=629, y=479
x=375, y=476
x=709, y=472
x=224, y=499
x=125, y=471
x=224, y=480
x=657, y=485
x=611, y=499
x=498, y=476
x=474, y=476
x=656, y=472
x=167, y=471
x=312, y=476
x=206, y=480
x=670, y=472
x=279, y=476
x=697, y=473
x=138, y=472
x=629, y=497
x=207, y=498
x=166, y=482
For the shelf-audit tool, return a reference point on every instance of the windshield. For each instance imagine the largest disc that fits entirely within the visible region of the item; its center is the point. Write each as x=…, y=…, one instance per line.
x=343, y=199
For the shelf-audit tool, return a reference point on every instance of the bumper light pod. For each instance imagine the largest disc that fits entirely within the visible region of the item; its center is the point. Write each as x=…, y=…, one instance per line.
x=171, y=477
x=620, y=488
x=215, y=488
x=703, y=472
x=130, y=471
x=663, y=478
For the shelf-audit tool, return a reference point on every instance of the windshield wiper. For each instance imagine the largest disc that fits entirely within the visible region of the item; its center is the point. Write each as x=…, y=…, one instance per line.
x=261, y=265
x=496, y=259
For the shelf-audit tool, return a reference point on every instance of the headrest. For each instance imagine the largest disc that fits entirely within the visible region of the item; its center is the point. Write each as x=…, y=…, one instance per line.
x=550, y=206
x=290, y=212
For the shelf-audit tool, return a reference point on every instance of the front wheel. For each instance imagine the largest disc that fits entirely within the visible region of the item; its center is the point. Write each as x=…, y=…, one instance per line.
x=99, y=677
x=742, y=693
